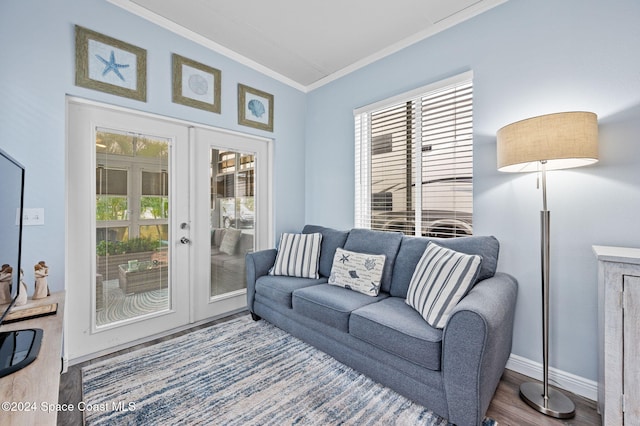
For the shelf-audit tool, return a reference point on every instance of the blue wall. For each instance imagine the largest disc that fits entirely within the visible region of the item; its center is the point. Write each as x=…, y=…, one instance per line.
x=528, y=58
x=37, y=71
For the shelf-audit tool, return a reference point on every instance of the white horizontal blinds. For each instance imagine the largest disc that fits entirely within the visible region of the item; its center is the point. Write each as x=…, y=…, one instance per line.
x=447, y=161
x=362, y=181
x=393, y=167
x=414, y=161
x=155, y=183
x=111, y=181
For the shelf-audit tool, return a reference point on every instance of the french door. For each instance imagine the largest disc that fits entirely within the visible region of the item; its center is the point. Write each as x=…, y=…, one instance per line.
x=159, y=217
x=230, y=172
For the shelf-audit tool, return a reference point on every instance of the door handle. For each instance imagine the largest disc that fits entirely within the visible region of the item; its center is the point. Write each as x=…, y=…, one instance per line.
x=185, y=240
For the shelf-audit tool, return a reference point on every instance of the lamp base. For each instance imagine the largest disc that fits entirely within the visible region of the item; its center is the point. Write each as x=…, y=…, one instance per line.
x=556, y=405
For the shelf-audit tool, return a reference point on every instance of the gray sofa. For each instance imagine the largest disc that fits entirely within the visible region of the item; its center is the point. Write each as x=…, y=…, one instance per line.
x=453, y=371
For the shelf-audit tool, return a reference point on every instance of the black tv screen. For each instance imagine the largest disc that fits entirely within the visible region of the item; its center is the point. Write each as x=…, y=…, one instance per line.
x=18, y=348
x=11, y=200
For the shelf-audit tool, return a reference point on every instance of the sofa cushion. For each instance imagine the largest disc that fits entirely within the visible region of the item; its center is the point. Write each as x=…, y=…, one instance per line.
x=279, y=289
x=216, y=236
x=442, y=277
x=395, y=327
x=331, y=240
x=220, y=259
x=234, y=262
x=331, y=305
x=357, y=271
x=376, y=242
x=230, y=241
x=298, y=255
x=412, y=248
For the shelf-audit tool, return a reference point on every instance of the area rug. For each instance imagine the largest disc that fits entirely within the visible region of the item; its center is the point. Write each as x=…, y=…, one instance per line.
x=240, y=372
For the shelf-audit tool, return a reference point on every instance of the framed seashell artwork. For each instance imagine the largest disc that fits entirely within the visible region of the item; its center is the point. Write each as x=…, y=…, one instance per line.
x=109, y=65
x=195, y=84
x=255, y=108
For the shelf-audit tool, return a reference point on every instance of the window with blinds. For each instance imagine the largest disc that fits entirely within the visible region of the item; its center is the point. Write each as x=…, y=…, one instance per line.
x=414, y=161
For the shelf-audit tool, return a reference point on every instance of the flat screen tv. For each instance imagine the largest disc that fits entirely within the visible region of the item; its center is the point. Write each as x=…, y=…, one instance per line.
x=18, y=348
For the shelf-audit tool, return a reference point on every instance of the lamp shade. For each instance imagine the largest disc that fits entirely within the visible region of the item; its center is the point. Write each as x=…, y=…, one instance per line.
x=562, y=140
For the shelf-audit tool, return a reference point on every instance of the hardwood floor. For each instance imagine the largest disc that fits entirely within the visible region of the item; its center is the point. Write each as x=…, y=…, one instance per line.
x=506, y=407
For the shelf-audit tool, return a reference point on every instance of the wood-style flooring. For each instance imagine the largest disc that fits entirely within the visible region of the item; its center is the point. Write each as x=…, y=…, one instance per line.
x=506, y=407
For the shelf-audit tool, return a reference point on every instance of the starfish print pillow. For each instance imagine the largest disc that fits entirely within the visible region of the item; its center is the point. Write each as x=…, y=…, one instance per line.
x=360, y=272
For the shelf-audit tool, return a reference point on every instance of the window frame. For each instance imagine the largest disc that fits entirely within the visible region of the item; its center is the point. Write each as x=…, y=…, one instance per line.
x=364, y=146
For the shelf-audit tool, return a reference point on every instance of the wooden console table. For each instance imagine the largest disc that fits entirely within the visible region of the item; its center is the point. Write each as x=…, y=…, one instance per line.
x=38, y=383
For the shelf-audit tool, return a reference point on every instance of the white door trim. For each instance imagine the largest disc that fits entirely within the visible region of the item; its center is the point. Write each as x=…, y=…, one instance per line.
x=87, y=227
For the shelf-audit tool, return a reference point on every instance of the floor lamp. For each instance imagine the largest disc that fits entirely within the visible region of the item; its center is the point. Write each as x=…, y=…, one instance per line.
x=539, y=144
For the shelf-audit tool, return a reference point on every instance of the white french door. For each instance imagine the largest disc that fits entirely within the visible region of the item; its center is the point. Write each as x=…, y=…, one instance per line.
x=109, y=281
x=159, y=217
x=231, y=216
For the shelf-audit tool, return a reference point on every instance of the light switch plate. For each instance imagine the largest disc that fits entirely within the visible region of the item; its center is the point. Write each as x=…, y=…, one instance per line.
x=31, y=217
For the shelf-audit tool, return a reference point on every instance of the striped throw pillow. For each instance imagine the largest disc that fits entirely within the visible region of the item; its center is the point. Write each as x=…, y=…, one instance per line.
x=442, y=277
x=298, y=255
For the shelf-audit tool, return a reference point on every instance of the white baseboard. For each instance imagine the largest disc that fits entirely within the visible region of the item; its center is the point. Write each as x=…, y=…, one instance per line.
x=557, y=378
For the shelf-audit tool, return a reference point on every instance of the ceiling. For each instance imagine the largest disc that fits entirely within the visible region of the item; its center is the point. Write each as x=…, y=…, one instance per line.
x=306, y=44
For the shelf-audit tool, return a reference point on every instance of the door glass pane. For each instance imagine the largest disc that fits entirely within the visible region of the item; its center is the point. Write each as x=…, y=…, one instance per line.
x=232, y=218
x=154, y=200
x=132, y=226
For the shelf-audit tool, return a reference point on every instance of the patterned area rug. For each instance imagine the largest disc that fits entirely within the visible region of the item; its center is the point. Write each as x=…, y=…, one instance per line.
x=240, y=373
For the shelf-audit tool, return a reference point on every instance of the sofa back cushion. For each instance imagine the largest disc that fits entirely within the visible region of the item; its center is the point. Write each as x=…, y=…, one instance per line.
x=412, y=248
x=331, y=240
x=377, y=242
x=230, y=241
x=243, y=246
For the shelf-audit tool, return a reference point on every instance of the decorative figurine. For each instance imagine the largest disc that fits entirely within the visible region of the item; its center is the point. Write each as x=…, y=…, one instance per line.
x=41, y=272
x=22, y=297
x=6, y=275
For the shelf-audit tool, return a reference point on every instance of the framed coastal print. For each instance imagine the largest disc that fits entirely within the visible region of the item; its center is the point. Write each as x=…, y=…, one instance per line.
x=255, y=108
x=109, y=65
x=195, y=84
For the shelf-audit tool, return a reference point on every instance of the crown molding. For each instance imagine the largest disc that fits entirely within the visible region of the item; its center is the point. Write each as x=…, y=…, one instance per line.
x=439, y=26
x=165, y=23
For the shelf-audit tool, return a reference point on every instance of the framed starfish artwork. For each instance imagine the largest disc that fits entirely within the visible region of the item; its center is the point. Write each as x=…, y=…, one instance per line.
x=195, y=84
x=255, y=108
x=109, y=65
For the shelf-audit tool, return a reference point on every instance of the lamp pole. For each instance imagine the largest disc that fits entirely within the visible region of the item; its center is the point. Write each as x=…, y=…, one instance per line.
x=540, y=397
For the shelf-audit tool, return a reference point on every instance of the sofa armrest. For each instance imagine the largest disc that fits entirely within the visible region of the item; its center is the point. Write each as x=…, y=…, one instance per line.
x=476, y=345
x=257, y=264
